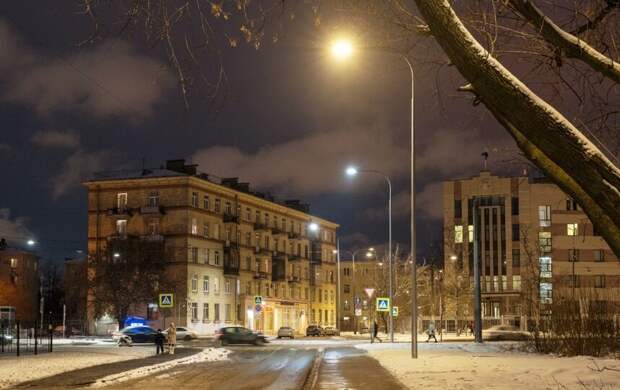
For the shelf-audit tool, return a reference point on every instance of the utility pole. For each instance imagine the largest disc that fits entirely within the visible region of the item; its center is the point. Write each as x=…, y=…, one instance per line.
x=477, y=296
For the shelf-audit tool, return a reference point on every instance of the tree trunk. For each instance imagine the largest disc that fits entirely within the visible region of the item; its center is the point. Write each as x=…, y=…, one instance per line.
x=548, y=139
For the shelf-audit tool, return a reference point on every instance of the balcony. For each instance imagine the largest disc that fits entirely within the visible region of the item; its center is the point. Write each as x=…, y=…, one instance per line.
x=294, y=258
x=152, y=210
x=230, y=218
x=122, y=212
x=294, y=279
x=294, y=235
x=279, y=255
x=277, y=231
x=152, y=237
x=261, y=275
x=278, y=276
x=261, y=226
x=231, y=269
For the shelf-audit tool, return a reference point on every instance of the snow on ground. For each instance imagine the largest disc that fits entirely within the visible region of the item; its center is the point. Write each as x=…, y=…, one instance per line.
x=492, y=366
x=207, y=355
x=14, y=369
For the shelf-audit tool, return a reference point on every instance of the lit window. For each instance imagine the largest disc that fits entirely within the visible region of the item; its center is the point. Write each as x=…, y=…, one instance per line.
x=121, y=201
x=194, y=226
x=544, y=216
x=13, y=262
x=516, y=282
x=470, y=233
x=121, y=227
x=194, y=283
x=572, y=229
x=545, y=267
x=153, y=199
x=544, y=242
x=458, y=234
x=205, y=285
x=546, y=292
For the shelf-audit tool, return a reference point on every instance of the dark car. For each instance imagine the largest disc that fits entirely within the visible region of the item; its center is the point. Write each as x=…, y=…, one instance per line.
x=238, y=335
x=314, y=330
x=138, y=334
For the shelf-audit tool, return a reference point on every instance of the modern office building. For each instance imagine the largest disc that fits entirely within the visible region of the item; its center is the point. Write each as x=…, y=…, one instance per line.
x=535, y=243
x=224, y=246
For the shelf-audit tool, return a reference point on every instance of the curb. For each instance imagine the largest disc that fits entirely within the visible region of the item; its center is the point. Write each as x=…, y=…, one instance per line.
x=313, y=373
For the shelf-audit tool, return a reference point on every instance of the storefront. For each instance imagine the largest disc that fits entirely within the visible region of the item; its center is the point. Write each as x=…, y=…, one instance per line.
x=273, y=314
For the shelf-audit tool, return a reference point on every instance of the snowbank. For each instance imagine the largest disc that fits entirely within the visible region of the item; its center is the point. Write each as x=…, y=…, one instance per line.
x=492, y=366
x=15, y=370
x=207, y=355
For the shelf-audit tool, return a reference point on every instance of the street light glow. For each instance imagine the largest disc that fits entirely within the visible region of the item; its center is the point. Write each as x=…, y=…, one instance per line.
x=117, y=255
x=351, y=171
x=453, y=257
x=341, y=49
x=313, y=226
x=368, y=254
x=30, y=242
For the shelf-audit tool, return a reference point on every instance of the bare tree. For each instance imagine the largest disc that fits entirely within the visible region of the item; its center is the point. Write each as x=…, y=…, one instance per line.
x=127, y=276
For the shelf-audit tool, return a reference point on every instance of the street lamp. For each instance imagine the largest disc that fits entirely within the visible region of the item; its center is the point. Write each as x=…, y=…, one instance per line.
x=313, y=226
x=116, y=255
x=30, y=242
x=340, y=52
x=353, y=171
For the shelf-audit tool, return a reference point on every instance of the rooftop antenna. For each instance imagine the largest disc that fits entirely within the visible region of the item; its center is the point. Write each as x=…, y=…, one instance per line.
x=485, y=156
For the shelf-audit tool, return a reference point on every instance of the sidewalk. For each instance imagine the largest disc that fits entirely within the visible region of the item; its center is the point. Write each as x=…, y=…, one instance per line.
x=89, y=375
x=406, y=337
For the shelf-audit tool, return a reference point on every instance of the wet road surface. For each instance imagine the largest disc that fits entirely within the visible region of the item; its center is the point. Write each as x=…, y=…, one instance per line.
x=274, y=367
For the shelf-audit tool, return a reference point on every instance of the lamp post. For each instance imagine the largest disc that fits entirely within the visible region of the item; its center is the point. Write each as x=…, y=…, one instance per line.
x=342, y=49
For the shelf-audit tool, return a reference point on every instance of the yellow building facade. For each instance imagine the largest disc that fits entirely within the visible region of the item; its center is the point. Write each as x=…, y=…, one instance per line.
x=225, y=247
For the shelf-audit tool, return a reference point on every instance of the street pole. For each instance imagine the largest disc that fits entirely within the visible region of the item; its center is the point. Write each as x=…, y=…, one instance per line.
x=391, y=317
x=477, y=296
x=414, y=276
x=64, y=321
x=338, y=302
x=354, y=296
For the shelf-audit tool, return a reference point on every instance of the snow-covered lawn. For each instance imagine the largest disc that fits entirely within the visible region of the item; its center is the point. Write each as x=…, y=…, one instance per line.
x=14, y=370
x=492, y=366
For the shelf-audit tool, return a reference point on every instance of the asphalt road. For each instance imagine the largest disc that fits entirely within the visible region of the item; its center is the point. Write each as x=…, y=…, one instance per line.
x=308, y=365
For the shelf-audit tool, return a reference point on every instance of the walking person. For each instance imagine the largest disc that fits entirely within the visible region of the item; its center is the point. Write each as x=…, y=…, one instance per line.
x=431, y=332
x=172, y=338
x=160, y=338
x=375, y=332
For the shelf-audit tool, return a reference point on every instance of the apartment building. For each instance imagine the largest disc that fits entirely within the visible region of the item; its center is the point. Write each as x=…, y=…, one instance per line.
x=224, y=246
x=533, y=239
x=19, y=286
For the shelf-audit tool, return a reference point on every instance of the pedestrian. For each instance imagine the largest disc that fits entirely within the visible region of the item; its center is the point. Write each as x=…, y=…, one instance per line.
x=431, y=332
x=470, y=325
x=160, y=338
x=375, y=332
x=172, y=338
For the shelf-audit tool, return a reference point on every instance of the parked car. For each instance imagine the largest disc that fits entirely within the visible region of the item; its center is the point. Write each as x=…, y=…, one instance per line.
x=238, y=335
x=504, y=332
x=137, y=334
x=286, y=331
x=330, y=331
x=314, y=330
x=183, y=333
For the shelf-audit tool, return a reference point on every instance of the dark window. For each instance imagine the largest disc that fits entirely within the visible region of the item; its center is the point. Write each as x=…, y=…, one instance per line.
x=516, y=236
x=571, y=205
x=599, y=281
x=457, y=208
x=599, y=255
x=347, y=288
x=515, y=206
x=516, y=258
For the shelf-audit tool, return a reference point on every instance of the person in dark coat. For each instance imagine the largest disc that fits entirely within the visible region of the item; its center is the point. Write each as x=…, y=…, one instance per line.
x=375, y=332
x=431, y=332
x=160, y=338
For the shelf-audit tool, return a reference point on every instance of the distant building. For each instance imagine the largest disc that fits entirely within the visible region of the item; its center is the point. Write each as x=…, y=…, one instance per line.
x=19, y=285
x=536, y=244
x=224, y=246
x=75, y=287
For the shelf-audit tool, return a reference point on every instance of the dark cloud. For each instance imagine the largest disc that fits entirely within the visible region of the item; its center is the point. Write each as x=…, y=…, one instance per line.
x=77, y=167
x=14, y=230
x=53, y=138
x=311, y=164
x=110, y=79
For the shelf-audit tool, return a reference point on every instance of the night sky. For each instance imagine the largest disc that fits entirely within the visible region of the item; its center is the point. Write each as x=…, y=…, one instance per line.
x=292, y=120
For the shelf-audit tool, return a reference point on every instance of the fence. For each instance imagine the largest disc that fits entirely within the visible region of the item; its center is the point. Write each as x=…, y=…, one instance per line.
x=25, y=339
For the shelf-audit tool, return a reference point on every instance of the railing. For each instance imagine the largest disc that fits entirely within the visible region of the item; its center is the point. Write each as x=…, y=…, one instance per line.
x=294, y=257
x=294, y=235
x=152, y=210
x=22, y=340
x=260, y=226
x=119, y=211
x=261, y=275
x=230, y=218
x=294, y=279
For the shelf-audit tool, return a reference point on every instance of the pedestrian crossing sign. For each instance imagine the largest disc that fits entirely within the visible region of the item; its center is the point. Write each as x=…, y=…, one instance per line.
x=166, y=300
x=258, y=300
x=383, y=304
x=394, y=311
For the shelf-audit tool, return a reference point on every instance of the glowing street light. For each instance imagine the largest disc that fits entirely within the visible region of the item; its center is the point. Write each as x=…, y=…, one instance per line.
x=116, y=255
x=30, y=242
x=351, y=171
x=454, y=257
x=341, y=49
x=313, y=226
